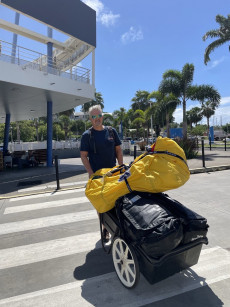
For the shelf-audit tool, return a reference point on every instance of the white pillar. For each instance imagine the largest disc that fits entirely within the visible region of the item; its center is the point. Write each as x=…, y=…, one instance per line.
x=93, y=68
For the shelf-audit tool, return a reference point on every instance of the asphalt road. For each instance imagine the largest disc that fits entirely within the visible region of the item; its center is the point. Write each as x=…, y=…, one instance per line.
x=51, y=253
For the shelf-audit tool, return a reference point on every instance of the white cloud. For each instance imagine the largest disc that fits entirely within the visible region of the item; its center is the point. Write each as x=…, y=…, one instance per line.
x=96, y=5
x=105, y=17
x=132, y=35
x=225, y=100
x=178, y=115
x=109, y=19
x=215, y=63
x=222, y=113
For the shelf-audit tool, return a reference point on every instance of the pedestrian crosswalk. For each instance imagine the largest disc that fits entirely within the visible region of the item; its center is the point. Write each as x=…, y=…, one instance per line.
x=51, y=255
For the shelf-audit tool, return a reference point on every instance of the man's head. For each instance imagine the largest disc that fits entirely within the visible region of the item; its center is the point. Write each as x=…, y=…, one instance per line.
x=96, y=117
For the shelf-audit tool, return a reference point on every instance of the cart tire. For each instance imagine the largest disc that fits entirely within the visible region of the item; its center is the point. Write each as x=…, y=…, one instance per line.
x=125, y=263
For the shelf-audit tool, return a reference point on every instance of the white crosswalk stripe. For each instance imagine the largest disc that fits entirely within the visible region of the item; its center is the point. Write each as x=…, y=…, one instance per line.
x=46, y=205
x=49, y=221
x=48, y=250
x=22, y=219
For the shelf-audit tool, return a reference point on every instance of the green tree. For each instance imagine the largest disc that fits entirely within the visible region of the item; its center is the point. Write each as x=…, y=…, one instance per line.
x=167, y=104
x=65, y=123
x=77, y=127
x=208, y=109
x=58, y=132
x=2, y=128
x=27, y=131
x=226, y=128
x=194, y=116
x=97, y=100
x=180, y=84
x=140, y=101
x=199, y=130
x=139, y=122
x=222, y=34
x=108, y=119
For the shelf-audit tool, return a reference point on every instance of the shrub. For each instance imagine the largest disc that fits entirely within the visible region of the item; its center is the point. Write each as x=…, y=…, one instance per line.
x=189, y=146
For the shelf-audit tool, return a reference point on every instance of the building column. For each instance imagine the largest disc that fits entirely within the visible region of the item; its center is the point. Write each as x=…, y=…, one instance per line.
x=15, y=39
x=49, y=132
x=49, y=103
x=6, y=133
x=93, y=68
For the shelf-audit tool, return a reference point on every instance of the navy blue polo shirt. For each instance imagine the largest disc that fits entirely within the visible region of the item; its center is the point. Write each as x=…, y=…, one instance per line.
x=100, y=147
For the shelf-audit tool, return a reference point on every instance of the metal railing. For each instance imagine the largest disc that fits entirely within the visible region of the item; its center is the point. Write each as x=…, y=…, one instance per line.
x=27, y=58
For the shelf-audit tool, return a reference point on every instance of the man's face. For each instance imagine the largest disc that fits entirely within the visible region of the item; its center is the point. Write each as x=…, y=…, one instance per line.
x=96, y=118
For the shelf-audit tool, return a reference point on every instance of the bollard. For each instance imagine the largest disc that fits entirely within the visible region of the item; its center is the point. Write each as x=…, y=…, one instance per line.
x=225, y=144
x=203, y=159
x=210, y=144
x=135, y=152
x=57, y=173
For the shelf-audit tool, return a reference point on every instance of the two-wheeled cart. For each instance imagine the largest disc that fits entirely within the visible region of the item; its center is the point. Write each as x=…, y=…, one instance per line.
x=130, y=259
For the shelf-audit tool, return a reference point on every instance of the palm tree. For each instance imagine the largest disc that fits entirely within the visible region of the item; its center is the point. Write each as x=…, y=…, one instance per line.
x=167, y=104
x=98, y=100
x=119, y=118
x=139, y=121
x=194, y=116
x=208, y=96
x=222, y=34
x=208, y=109
x=180, y=84
x=140, y=101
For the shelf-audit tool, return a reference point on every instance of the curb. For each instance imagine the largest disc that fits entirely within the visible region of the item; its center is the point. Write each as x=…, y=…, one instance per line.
x=209, y=169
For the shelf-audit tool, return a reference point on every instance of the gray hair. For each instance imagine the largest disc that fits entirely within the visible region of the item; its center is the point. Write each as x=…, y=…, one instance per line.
x=96, y=107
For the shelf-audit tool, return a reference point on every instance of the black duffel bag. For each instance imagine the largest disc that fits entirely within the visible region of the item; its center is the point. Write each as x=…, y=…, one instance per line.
x=148, y=224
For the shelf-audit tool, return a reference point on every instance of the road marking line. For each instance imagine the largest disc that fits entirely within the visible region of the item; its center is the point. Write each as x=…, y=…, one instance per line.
x=48, y=221
x=68, y=184
x=49, y=194
x=46, y=205
x=31, y=253
x=85, y=293
x=49, y=186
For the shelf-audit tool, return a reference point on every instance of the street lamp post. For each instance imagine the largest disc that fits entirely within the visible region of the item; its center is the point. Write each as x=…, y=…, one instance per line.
x=151, y=121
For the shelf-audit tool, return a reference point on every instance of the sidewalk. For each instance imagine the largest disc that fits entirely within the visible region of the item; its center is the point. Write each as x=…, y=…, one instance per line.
x=72, y=174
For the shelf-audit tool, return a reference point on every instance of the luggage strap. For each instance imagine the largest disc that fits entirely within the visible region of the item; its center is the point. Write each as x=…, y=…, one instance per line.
x=168, y=153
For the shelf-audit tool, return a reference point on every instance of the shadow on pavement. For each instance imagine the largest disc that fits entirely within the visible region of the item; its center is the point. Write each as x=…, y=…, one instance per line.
x=14, y=181
x=183, y=289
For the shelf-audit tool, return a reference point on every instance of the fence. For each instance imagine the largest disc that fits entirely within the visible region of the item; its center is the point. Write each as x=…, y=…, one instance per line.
x=27, y=58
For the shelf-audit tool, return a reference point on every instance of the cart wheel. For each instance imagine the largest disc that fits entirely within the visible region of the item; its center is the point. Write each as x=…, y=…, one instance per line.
x=125, y=263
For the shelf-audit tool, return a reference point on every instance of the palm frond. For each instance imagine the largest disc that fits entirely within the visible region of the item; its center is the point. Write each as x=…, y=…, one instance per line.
x=211, y=34
x=211, y=48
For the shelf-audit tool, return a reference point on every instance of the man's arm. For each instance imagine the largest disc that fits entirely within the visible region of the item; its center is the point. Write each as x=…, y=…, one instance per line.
x=85, y=161
x=119, y=154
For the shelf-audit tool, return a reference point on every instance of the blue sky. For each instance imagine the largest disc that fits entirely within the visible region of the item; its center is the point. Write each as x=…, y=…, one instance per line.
x=138, y=40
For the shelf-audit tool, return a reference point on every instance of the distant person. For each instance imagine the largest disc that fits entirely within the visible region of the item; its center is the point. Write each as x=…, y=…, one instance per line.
x=100, y=147
x=32, y=159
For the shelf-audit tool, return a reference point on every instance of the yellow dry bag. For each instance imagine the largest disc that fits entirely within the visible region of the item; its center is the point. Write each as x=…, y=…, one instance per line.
x=162, y=168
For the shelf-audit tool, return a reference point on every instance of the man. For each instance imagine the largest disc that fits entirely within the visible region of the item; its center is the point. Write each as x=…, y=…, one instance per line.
x=100, y=145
